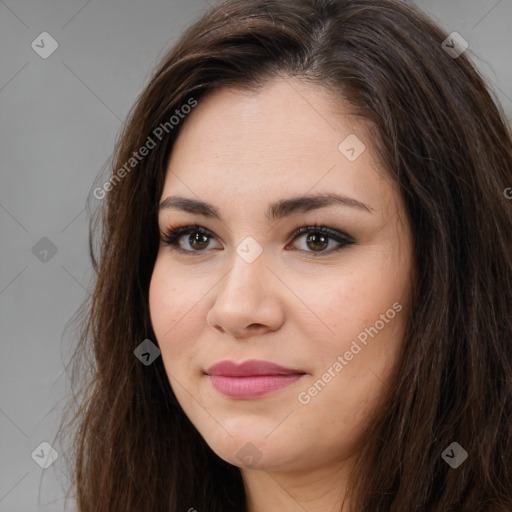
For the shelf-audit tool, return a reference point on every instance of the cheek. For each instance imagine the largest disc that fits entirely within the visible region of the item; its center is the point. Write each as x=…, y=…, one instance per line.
x=354, y=299
x=161, y=307
x=365, y=311
x=174, y=308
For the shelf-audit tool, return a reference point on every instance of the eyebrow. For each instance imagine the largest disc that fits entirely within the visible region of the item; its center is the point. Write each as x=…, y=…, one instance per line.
x=277, y=210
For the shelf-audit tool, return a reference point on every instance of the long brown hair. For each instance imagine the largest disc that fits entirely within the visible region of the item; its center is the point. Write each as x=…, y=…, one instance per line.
x=443, y=137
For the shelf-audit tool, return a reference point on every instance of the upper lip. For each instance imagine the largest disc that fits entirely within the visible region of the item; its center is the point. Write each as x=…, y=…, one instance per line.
x=249, y=368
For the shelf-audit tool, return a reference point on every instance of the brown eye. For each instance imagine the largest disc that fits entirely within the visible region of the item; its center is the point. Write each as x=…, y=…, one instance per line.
x=318, y=238
x=198, y=239
x=317, y=241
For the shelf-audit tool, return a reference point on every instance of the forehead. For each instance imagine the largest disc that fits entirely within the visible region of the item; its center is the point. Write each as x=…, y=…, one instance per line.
x=285, y=114
x=284, y=136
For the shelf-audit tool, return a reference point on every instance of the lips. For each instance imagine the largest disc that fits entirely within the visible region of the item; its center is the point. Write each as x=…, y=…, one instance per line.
x=251, y=379
x=249, y=368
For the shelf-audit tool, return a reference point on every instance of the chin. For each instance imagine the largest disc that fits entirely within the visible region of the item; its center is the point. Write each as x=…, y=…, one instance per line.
x=253, y=452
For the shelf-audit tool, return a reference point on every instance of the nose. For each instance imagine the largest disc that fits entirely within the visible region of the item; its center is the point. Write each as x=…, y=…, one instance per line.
x=247, y=301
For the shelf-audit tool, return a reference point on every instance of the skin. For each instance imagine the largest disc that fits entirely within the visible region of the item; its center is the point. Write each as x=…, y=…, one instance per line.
x=238, y=151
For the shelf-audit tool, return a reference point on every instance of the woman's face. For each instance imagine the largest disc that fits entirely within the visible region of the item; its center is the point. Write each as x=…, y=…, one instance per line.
x=331, y=308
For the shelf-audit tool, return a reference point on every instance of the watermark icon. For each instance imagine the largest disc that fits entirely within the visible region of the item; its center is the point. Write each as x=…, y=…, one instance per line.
x=304, y=397
x=249, y=454
x=147, y=352
x=352, y=147
x=137, y=156
x=508, y=193
x=44, y=455
x=454, y=455
x=454, y=45
x=44, y=250
x=249, y=249
x=44, y=45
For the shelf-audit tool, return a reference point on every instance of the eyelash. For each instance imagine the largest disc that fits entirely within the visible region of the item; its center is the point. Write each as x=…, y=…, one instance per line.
x=172, y=235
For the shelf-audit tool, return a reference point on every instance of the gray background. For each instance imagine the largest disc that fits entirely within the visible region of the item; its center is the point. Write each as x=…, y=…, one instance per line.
x=59, y=118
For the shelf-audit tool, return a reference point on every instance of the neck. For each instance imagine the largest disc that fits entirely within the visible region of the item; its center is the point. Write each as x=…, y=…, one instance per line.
x=315, y=490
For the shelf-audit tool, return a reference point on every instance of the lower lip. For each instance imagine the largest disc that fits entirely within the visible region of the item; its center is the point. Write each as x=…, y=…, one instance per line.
x=253, y=386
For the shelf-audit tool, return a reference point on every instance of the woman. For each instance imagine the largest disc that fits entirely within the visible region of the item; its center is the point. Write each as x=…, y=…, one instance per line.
x=303, y=288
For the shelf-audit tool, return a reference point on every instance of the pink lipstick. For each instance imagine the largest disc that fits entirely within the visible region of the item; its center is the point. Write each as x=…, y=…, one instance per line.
x=250, y=379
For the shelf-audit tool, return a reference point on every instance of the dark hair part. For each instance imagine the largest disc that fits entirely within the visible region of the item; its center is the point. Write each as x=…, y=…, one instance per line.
x=446, y=142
